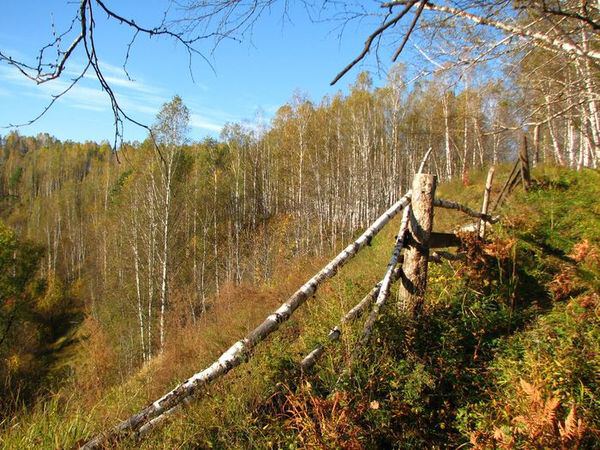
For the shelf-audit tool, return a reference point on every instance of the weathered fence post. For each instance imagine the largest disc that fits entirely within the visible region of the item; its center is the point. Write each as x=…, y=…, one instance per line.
x=524, y=158
x=486, y=201
x=414, y=278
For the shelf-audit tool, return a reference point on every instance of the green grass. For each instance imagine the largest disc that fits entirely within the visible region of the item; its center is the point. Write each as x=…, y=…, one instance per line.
x=453, y=377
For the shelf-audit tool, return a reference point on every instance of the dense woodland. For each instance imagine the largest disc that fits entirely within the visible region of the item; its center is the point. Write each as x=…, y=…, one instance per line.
x=138, y=241
x=106, y=255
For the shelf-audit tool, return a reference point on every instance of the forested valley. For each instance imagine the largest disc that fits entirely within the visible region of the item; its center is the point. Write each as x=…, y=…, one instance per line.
x=138, y=242
x=110, y=260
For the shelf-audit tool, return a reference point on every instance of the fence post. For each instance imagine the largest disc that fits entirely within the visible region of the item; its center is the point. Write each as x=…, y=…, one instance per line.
x=486, y=201
x=414, y=277
x=524, y=158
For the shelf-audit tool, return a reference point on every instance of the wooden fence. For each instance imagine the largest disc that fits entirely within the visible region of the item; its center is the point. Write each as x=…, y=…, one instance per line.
x=415, y=237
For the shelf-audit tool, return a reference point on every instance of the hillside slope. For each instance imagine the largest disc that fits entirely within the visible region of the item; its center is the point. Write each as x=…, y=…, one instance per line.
x=506, y=354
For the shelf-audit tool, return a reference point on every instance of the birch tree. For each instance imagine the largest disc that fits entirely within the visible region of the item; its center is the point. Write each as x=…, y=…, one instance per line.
x=170, y=131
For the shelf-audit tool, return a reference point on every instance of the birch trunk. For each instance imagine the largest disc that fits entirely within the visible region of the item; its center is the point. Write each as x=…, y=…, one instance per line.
x=594, y=117
x=447, y=137
x=215, y=236
x=150, y=272
x=136, y=260
x=558, y=156
x=165, y=255
x=163, y=295
x=536, y=144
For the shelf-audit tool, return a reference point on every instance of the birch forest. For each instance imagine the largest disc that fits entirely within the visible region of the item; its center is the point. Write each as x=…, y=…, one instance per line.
x=106, y=256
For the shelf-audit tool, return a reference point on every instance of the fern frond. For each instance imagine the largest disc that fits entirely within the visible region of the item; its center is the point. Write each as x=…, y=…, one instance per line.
x=533, y=393
x=549, y=412
x=573, y=429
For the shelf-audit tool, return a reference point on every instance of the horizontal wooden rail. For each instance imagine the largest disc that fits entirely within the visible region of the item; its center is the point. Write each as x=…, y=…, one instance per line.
x=336, y=332
x=388, y=278
x=448, y=204
x=443, y=240
x=439, y=256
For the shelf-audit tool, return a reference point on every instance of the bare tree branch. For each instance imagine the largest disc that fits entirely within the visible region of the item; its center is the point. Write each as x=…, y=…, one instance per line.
x=372, y=37
x=554, y=42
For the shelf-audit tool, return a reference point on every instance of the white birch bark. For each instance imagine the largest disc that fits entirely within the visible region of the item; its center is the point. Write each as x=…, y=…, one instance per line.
x=164, y=257
x=388, y=278
x=150, y=271
x=558, y=156
x=486, y=201
x=545, y=41
x=136, y=260
x=592, y=96
x=448, y=153
x=536, y=144
x=215, y=236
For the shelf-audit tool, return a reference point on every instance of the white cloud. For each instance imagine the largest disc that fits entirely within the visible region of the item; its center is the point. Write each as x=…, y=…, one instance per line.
x=134, y=97
x=197, y=121
x=115, y=76
x=88, y=107
x=84, y=95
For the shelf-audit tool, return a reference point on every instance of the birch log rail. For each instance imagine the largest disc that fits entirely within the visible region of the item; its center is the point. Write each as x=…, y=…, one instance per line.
x=386, y=283
x=336, y=332
x=392, y=274
x=447, y=204
x=147, y=418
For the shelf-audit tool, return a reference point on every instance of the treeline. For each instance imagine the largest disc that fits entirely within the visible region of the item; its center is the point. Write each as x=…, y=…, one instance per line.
x=560, y=93
x=140, y=240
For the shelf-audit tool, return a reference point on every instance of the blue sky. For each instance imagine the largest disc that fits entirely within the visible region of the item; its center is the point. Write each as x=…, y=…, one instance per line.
x=253, y=77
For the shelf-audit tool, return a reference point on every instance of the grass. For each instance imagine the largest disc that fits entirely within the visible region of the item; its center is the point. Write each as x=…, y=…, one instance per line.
x=512, y=335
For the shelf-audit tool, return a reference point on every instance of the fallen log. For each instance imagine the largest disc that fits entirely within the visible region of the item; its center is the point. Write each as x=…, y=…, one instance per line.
x=155, y=413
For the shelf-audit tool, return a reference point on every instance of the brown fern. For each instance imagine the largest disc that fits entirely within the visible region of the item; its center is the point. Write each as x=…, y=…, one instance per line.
x=322, y=422
x=539, y=424
x=503, y=440
x=563, y=283
x=572, y=430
